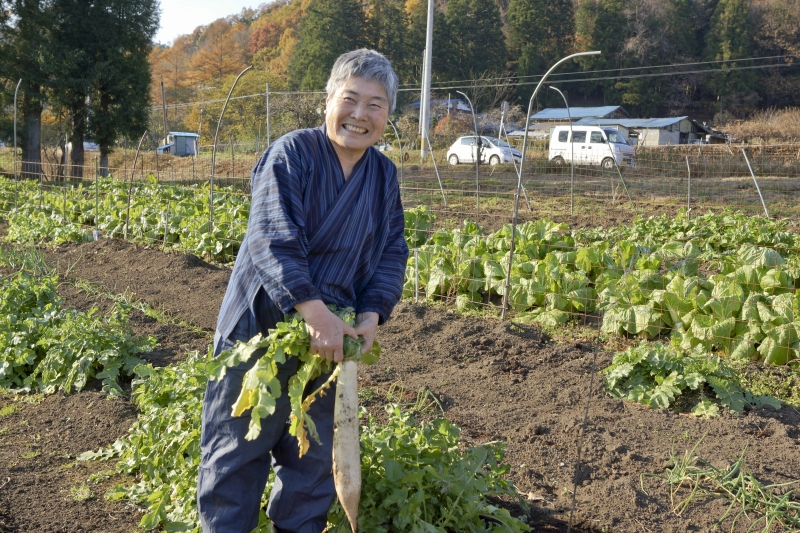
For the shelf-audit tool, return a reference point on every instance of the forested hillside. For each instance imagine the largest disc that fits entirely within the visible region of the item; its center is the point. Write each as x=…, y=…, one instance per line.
x=502, y=46
x=91, y=72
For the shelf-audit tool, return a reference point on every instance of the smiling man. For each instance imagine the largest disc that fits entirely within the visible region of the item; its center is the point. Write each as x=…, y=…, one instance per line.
x=326, y=227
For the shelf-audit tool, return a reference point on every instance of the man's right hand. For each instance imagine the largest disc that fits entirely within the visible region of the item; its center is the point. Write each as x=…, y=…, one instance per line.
x=326, y=329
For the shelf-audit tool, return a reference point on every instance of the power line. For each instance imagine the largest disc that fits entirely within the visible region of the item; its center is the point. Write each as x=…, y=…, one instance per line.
x=521, y=83
x=221, y=100
x=629, y=76
x=583, y=72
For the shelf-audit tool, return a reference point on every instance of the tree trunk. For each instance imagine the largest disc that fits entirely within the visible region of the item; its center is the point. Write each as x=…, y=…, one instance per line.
x=32, y=145
x=62, y=162
x=78, y=134
x=104, y=160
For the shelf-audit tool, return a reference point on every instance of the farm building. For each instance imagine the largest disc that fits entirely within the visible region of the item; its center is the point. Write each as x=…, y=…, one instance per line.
x=535, y=131
x=658, y=131
x=559, y=115
x=180, y=144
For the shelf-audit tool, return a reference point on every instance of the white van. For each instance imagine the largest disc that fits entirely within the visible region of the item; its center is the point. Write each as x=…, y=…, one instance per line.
x=591, y=145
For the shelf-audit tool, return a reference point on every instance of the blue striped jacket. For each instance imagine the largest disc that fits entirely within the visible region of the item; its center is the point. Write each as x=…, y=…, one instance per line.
x=313, y=235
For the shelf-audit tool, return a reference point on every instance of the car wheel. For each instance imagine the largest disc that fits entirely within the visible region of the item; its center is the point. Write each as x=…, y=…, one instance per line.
x=494, y=160
x=608, y=163
x=559, y=161
x=453, y=159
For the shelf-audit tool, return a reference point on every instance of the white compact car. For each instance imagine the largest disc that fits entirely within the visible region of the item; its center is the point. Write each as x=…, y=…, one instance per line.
x=493, y=151
x=591, y=145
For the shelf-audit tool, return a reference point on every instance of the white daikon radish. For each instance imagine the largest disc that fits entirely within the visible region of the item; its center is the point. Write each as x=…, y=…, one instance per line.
x=346, y=448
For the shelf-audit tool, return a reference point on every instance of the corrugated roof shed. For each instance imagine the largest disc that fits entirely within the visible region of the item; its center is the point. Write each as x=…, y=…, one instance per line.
x=560, y=113
x=642, y=123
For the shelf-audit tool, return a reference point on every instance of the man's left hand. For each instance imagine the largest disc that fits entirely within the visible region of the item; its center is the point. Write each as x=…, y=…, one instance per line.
x=367, y=326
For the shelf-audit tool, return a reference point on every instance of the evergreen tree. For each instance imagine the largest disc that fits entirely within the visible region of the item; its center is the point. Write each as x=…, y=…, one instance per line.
x=330, y=28
x=73, y=46
x=121, y=75
x=386, y=28
x=600, y=25
x=730, y=37
x=777, y=32
x=659, y=34
x=5, y=121
x=680, y=20
x=24, y=54
x=415, y=45
x=102, y=74
x=479, y=45
x=539, y=34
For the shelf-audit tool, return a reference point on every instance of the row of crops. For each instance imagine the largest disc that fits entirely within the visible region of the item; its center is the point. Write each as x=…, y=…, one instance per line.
x=176, y=216
x=46, y=347
x=724, y=282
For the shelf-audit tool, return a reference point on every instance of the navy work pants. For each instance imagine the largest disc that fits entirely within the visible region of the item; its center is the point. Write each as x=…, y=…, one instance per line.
x=233, y=471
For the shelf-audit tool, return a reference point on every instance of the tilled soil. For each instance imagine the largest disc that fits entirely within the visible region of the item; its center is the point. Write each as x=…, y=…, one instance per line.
x=42, y=481
x=497, y=381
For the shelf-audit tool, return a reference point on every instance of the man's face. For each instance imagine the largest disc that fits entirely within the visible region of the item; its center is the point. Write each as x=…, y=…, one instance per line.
x=356, y=116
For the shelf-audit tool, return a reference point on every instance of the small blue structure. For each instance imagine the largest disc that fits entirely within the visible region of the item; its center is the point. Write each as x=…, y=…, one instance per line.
x=181, y=144
x=560, y=114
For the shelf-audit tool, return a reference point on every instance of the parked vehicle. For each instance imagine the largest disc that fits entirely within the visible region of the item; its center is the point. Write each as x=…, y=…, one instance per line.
x=591, y=145
x=494, y=151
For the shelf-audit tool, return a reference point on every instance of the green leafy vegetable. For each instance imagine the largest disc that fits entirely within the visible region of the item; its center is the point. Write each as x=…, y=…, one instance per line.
x=415, y=479
x=656, y=375
x=261, y=387
x=46, y=347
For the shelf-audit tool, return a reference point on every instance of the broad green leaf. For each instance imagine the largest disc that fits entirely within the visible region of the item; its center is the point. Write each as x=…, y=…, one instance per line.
x=728, y=393
x=710, y=331
x=747, y=277
x=587, y=259
x=776, y=281
x=780, y=345
x=705, y=408
x=783, y=309
x=664, y=393
x=552, y=318
x=759, y=257
x=557, y=302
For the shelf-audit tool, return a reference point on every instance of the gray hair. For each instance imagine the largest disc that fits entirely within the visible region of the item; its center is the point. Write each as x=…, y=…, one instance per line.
x=367, y=64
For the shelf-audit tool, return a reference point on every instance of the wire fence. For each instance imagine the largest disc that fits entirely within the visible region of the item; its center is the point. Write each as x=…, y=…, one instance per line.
x=661, y=181
x=701, y=275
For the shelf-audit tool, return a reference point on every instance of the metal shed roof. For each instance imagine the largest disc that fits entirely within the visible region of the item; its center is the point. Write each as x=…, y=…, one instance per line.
x=560, y=113
x=183, y=134
x=641, y=123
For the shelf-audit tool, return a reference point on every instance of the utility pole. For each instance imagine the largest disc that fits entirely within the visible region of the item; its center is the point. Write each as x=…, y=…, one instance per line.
x=268, y=133
x=425, y=103
x=164, y=108
x=503, y=111
x=14, y=153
